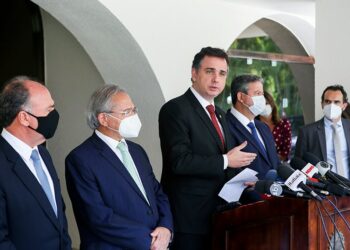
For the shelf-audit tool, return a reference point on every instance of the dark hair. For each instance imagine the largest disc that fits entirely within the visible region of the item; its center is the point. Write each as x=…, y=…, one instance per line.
x=240, y=84
x=274, y=117
x=13, y=98
x=336, y=87
x=208, y=51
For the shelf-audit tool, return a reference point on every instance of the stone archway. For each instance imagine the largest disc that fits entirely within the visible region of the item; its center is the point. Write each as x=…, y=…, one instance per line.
x=303, y=73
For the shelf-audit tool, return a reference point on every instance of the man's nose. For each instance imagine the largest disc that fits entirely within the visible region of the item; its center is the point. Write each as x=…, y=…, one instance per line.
x=216, y=77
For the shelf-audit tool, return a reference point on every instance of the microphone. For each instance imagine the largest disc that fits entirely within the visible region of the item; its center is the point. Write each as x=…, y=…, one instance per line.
x=309, y=169
x=324, y=169
x=276, y=189
x=312, y=171
x=268, y=187
x=295, y=179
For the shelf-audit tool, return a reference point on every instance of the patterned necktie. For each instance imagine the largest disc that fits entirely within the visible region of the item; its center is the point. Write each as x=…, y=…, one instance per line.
x=337, y=151
x=130, y=166
x=211, y=110
x=44, y=182
x=256, y=137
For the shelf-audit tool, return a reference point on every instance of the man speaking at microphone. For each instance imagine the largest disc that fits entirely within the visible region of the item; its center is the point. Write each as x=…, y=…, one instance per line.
x=329, y=137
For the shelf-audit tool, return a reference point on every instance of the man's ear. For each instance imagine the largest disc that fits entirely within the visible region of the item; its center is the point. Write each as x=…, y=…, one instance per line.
x=23, y=118
x=102, y=119
x=239, y=97
x=345, y=105
x=194, y=75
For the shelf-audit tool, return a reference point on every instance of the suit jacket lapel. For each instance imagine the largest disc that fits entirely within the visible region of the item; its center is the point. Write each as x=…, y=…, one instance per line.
x=266, y=141
x=28, y=179
x=141, y=170
x=241, y=129
x=322, y=138
x=204, y=117
x=114, y=161
x=346, y=126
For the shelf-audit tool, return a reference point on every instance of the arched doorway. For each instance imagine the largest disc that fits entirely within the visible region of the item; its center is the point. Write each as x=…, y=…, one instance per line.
x=268, y=49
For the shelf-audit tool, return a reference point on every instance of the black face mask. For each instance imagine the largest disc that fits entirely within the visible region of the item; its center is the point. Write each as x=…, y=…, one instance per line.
x=47, y=125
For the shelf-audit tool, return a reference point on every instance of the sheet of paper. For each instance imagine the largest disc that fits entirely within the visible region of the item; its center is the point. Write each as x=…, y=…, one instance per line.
x=233, y=189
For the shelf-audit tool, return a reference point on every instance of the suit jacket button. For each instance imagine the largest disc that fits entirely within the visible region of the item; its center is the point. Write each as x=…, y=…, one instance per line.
x=149, y=212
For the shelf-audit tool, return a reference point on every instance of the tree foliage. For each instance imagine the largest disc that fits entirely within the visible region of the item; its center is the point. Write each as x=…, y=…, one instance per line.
x=279, y=80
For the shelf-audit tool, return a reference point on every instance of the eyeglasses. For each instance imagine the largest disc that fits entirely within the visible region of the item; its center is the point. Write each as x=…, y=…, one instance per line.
x=126, y=112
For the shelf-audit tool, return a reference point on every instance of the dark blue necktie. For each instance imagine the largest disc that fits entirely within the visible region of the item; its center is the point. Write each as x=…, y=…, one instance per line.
x=256, y=137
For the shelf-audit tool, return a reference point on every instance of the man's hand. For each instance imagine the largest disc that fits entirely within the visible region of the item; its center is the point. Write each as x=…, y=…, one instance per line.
x=160, y=238
x=237, y=158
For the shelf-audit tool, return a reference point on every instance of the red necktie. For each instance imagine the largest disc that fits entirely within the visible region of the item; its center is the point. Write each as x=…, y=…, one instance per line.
x=211, y=110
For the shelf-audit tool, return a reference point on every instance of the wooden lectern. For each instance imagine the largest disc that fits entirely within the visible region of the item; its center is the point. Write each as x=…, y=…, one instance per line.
x=282, y=223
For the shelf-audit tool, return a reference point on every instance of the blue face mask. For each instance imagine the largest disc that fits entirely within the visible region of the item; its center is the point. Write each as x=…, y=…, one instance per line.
x=47, y=125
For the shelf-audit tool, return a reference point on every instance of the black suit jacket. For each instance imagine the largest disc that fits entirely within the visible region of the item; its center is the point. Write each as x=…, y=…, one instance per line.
x=27, y=220
x=193, y=165
x=312, y=138
x=263, y=162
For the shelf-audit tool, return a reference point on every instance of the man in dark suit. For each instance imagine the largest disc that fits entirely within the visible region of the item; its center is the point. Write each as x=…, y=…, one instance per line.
x=329, y=137
x=248, y=101
x=196, y=149
x=31, y=207
x=117, y=201
x=346, y=112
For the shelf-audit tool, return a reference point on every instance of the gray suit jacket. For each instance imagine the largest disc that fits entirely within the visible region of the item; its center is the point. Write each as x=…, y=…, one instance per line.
x=312, y=139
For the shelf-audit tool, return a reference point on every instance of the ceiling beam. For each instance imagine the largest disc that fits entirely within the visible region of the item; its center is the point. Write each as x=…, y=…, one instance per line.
x=235, y=53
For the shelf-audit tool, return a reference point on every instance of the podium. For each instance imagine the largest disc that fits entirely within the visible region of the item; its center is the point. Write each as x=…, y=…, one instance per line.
x=282, y=223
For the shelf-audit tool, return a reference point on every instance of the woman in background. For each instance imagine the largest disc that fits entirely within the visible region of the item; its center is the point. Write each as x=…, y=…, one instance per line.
x=280, y=127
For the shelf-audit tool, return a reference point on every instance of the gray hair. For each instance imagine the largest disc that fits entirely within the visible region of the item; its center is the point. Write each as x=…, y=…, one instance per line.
x=14, y=98
x=100, y=102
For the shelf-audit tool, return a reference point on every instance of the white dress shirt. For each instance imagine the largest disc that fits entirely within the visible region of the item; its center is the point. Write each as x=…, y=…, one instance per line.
x=204, y=103
x=244, y=121
x=112, y=144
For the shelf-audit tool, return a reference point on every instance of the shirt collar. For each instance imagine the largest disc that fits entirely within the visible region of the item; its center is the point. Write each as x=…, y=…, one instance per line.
x=328, y=123
x=240, y=117
x=112, y=143
x=204, y=103
x=23, y=149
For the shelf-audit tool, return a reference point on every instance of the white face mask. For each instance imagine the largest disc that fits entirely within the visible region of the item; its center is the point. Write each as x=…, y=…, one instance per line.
x=332, y=111
x=267, y=111
x=129, y=127
x=259, y=104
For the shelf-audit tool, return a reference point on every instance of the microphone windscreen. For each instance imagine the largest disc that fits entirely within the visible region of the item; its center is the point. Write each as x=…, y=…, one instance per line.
x=311, y=158
x=297, y=163
x=261, y=186
x=284, y=171
x=271, y=175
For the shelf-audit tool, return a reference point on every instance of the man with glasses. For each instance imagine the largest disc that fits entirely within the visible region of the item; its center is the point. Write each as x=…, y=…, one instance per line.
x=117, y=201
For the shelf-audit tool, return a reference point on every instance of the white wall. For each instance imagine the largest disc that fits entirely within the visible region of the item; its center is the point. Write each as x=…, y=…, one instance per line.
x=171, y=32
x=332, y=47
x=146, y=47
x=71, y=77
